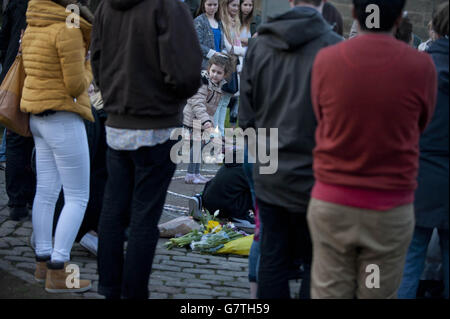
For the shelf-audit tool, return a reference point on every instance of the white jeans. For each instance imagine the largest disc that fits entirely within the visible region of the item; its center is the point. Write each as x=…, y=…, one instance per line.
x=62, y=160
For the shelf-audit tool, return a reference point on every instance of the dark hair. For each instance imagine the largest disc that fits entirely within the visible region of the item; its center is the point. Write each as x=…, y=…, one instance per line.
x=390, y=11
x=405, y=31
x=246, y=21
x=440, y=20
x=313, y=2
x=223, y=60
x=201, y=10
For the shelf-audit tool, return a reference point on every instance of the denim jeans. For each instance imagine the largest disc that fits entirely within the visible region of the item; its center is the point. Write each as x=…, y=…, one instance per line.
x=135, y=193
x=221, y=113
x=415, y=261
x=254, y=258
x=284, y=239
x=3, y=147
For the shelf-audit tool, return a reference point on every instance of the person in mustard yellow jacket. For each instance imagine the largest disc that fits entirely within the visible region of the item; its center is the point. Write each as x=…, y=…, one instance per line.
x=58, y=74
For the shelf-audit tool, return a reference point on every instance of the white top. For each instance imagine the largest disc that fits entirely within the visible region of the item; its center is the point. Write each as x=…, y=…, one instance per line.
x=245, y=33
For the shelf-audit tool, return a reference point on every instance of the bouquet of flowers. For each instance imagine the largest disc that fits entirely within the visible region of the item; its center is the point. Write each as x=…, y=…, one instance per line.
x=213, y=241
x=210, y=237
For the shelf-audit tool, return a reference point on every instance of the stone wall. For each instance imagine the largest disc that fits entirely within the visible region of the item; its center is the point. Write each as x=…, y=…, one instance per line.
x=419, y=11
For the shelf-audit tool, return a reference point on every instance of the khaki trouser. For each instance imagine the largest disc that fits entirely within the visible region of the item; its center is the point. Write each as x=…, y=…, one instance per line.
x=358, y=253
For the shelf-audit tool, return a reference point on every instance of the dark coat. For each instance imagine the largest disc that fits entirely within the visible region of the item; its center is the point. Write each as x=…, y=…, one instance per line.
x=432, y=203
x=276, y=93
x=334, y=18
x=14, y=21
x=146, y=60
x=229, y=192
x=192, y=6
x=256, y=22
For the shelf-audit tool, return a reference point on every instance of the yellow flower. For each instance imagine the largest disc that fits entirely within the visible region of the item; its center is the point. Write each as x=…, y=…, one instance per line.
x=213, y=227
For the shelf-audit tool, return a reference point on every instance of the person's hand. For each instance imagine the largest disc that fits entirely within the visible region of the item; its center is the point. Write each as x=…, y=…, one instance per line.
x=207, y=125
x=244, y=42
x=255, y=35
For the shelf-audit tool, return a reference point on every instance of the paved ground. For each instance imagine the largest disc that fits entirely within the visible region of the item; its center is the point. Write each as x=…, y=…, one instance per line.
x=177, y=273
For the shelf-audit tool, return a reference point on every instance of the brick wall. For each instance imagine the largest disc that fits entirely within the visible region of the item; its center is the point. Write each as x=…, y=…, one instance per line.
x=419, y=11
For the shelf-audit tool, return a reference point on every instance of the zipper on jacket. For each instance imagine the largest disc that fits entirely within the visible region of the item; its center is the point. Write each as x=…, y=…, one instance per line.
x=210, y=99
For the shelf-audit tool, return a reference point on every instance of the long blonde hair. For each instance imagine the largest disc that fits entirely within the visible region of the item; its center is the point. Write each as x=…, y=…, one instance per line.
x=230, y=25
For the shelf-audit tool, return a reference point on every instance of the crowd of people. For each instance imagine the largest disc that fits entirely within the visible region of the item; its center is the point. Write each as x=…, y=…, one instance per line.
x=362, y=177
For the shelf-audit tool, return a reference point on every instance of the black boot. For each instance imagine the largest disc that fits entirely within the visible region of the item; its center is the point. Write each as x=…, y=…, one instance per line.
x=18, y=213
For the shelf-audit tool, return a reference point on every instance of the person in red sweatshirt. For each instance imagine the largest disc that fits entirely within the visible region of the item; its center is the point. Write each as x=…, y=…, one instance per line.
x=373, y=96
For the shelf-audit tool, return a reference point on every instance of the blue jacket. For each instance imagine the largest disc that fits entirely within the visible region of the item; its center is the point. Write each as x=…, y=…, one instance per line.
x=432, y=201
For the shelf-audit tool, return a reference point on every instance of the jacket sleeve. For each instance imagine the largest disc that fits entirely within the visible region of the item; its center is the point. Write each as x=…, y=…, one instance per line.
x=4, y=37
x=179, y=50
x=429, y=94
x=239, y=51
x=95, y=47
x=247, y=106
x=77, y=74
x=316, y=86
x=202, y=33
x=198, y=104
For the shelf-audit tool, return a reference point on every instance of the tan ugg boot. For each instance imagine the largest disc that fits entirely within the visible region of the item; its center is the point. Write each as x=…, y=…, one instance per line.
x=64, y=278
x=41, y=271
x=41, y=268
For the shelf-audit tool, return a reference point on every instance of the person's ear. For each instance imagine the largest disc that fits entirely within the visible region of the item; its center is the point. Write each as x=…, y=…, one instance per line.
x=398, y=21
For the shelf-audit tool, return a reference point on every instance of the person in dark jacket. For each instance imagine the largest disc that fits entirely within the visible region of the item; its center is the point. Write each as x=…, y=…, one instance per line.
x=229, y=192
x=334, y=18
x=193, y=6
x=431, y=202
x=146, y=60
x=19, y=177
x=268, y=81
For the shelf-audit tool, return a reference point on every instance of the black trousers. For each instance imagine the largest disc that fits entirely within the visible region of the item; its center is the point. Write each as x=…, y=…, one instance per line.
x=285, y=240
x=137, y=179
x=19, y=177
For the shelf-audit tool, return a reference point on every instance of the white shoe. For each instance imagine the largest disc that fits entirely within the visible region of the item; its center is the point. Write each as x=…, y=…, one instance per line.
x=193, y=179
x=195, y=209
x=203, y=178
x=90, y=242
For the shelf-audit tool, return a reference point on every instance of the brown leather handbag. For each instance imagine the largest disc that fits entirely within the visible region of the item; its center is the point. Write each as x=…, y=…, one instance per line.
x=10, y=95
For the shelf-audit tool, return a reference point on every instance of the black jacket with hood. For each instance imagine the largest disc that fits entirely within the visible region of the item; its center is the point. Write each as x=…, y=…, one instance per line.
x=14, y=21
x=275, y=93
x=146, y=60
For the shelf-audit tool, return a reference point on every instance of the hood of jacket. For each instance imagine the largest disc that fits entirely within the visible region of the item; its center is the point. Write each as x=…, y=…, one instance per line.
x=211, y=85
x=294, y=28
x=123, y=5
x=43, y=13
x=439, y=50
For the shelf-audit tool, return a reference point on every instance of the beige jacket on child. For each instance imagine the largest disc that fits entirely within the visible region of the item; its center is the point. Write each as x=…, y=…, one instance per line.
x=203, y=105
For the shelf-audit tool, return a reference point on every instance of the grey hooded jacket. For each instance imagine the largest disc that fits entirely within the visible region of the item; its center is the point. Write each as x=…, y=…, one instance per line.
x=275, y=93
